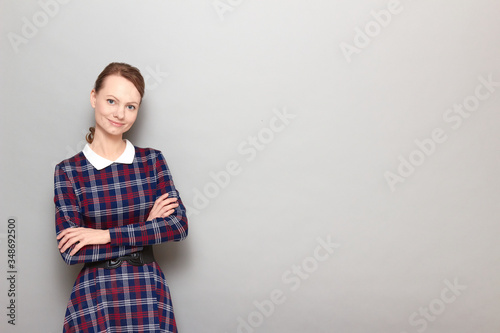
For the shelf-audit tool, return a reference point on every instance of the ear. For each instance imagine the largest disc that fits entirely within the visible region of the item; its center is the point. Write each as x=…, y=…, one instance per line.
x=93, y=98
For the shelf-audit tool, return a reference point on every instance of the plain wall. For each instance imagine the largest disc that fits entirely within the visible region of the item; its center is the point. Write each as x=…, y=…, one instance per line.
x=368, y=126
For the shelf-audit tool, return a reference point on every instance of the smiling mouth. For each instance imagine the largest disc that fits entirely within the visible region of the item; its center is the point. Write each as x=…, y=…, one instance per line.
x=115, y=123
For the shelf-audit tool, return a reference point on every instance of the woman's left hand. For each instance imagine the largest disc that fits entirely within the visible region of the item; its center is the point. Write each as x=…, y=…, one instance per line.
x=81, y=237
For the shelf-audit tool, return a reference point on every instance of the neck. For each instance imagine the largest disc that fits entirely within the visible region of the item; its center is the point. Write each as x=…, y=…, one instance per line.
x=109, y=147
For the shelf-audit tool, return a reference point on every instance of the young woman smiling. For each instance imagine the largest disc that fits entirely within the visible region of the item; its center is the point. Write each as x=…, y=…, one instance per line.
x=113, y=202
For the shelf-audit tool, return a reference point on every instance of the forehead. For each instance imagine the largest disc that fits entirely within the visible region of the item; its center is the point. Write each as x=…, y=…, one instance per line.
x=121, y=88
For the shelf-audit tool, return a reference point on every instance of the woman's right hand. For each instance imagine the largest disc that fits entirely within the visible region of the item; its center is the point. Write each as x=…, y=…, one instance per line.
x=163, y=207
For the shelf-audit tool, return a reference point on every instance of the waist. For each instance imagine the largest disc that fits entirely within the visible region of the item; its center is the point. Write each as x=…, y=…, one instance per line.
x=139, y=258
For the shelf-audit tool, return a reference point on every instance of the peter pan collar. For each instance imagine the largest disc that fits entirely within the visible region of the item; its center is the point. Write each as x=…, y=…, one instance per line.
x=99, y=162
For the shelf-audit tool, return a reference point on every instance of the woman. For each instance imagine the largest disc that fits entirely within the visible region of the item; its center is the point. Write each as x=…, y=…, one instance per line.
x=113, y=202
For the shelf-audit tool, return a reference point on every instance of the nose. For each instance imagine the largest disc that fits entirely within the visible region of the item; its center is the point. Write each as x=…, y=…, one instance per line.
x=119, y=113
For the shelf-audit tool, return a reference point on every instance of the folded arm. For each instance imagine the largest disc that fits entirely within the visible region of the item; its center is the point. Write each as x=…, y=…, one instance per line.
x=167, y=220
x=69, y=219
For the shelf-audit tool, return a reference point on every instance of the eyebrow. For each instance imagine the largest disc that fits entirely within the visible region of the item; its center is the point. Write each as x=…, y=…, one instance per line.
x=119, y=99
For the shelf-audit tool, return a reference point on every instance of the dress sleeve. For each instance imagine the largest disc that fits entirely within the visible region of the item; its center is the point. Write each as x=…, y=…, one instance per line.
x=68, y=215
x=171, y=228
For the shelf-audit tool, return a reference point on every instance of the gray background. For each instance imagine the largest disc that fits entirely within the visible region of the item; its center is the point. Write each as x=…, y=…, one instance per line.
x=220, y=77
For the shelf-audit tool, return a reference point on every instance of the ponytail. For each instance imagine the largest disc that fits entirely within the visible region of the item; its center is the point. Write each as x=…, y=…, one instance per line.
x=90, y=136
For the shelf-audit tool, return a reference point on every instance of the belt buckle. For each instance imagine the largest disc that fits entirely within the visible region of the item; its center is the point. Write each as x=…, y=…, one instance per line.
x=136, y=259
x=114, y=263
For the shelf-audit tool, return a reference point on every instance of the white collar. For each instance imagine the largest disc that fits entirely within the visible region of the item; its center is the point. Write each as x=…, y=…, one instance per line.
x=99, y=162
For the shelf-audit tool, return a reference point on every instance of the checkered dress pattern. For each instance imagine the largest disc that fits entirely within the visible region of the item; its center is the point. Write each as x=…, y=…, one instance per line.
x=118, y=198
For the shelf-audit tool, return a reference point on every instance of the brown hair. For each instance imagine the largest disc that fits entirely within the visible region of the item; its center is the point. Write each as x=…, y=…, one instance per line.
x=127, y=71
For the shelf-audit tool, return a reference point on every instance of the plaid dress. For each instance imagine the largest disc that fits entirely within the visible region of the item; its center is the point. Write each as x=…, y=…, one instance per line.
x=118, y=198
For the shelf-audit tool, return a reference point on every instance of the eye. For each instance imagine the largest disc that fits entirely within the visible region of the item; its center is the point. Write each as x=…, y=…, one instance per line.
x=130, y=107
x=110, y=101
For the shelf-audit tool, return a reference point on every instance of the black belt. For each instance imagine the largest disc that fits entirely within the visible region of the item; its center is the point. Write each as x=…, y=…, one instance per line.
x=139, y=258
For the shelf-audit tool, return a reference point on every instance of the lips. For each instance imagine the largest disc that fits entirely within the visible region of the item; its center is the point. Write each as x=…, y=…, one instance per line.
x=115, y=123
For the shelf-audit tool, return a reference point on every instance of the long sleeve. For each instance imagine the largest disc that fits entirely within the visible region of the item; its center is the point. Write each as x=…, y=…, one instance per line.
x=68, y=215
x=172, y=228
